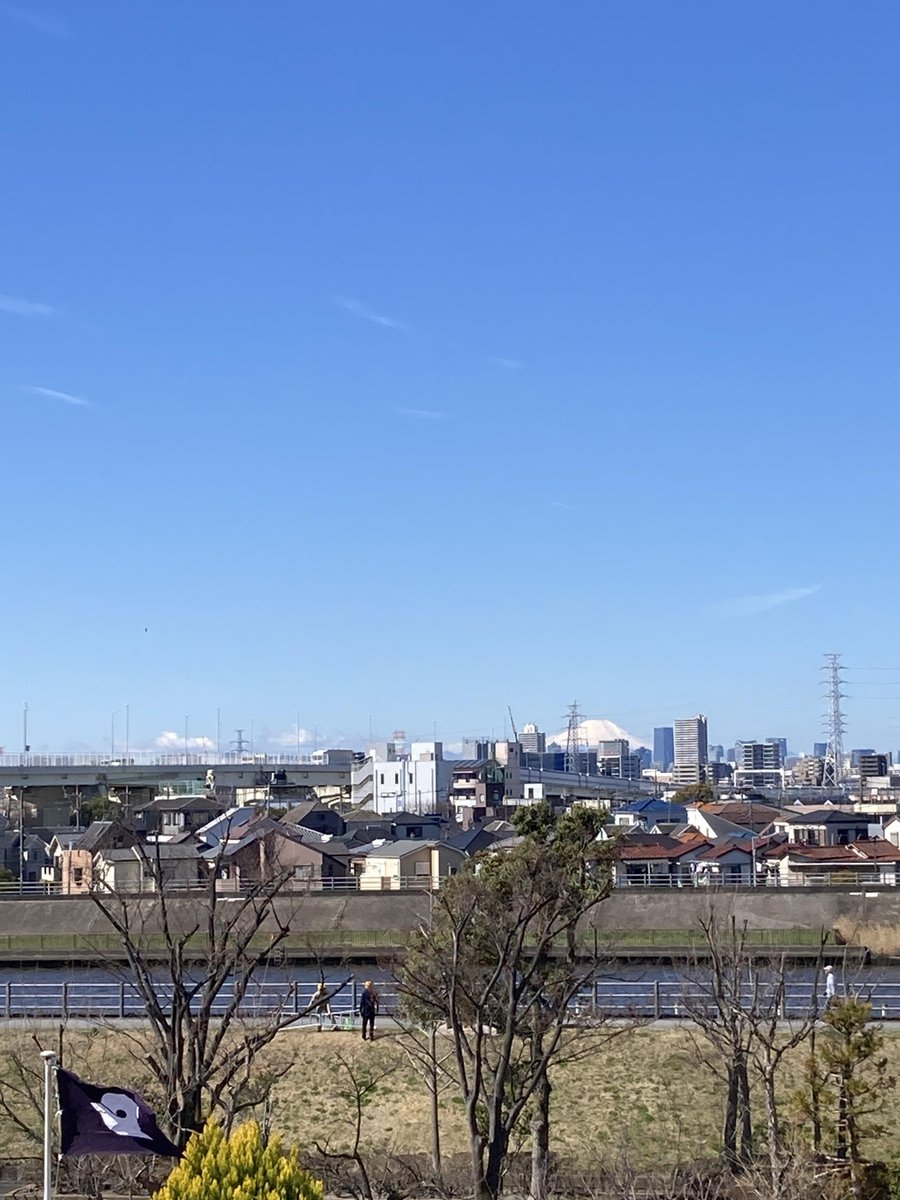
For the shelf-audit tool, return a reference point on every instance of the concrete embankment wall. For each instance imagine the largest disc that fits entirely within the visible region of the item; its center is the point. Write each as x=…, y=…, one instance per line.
x=761, y=908
x=308, y=913
x=634, y=909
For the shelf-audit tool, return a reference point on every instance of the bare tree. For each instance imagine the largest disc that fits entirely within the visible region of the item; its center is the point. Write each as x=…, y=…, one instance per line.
x=436, y=1065
x=739, y=1003
x=500, y=966
x=193, y=959
x=774, y=1033
x=358, y=1082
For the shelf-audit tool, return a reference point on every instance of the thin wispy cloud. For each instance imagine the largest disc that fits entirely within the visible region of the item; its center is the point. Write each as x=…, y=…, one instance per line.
x=562, y=504
x=24, y=308
x=420, y=414
x=358, y=309
x=49, y=25
x=508, y=364
x=749, y=606
x=53, y=394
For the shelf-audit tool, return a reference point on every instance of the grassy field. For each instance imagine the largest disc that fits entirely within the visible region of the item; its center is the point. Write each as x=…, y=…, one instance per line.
x=646, y=1095
x=12, y=944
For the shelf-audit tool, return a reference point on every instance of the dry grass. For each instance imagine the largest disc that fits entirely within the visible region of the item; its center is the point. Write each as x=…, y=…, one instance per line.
x=647, y=1095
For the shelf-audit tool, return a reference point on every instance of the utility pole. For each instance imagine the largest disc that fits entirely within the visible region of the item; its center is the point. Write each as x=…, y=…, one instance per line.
x=25, y=744
x=834, y=722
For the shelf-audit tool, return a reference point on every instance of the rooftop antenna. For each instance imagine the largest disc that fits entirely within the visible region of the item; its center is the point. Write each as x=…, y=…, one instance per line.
x=834, y=722
x=574, y=744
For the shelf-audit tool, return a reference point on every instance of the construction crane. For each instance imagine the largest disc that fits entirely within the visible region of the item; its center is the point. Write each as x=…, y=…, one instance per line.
x=512, y=722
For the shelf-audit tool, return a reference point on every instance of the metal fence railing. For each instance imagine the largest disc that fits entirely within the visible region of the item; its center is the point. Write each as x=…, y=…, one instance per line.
x=302, y=884
x=604, y=998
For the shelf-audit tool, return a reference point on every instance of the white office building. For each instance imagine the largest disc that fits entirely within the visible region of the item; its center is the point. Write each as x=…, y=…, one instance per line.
x=390, y=779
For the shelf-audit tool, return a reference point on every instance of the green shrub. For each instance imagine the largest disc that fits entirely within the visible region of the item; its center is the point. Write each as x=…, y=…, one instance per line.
x=241, y=1167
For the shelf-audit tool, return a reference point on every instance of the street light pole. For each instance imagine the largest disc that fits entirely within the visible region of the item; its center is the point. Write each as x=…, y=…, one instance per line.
x=752, y=840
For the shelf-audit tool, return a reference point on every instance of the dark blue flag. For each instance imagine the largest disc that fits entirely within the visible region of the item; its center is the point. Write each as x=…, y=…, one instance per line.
x=105, y=1120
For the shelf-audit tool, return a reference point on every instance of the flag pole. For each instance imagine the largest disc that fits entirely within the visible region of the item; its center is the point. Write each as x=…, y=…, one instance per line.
x=49, y=1066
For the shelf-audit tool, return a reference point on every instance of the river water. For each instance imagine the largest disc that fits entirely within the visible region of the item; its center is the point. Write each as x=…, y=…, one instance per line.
x=645, y=990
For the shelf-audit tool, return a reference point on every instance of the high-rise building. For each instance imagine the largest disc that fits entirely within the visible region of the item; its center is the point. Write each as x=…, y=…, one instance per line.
x=820, y=749
x=619, y=766
x=783, y=746
x=760, y=756
x=532, y=740
x=663, y=747
x=872, y=765
x=759, y=764
x=856, y=755
x=691, y=753
x=477, y=748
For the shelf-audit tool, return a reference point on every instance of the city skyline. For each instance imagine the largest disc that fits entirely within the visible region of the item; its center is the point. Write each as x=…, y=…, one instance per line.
x=208, y=732
x=339, y=344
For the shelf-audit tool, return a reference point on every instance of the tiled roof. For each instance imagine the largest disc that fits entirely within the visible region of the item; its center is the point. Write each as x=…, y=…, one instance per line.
x=853, y=854
x=827, y=816
x=723, y=848
x=641, y=851
x=742, y=812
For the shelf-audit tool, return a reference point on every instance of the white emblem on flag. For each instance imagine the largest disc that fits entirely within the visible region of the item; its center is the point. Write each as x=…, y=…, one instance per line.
x=119, y=1114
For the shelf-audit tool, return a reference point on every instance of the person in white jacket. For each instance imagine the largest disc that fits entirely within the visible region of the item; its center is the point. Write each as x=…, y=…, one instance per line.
x=830, y=986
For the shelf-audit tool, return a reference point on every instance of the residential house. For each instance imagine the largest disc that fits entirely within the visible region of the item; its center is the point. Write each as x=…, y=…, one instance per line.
x=648, y=812
x=473, y=841
x=656, y=860
x=393, y=865
x=269, y=851
x=314, y=815
x=712, y=826
x=892, y=830
x=796, y=864
x=825, y=827
x=25, y=857
x=750, y=813
x=158, y=867
x=725, y=864
x=168, y=816
x=227, y=826
x=429, y=826
x=72, y=854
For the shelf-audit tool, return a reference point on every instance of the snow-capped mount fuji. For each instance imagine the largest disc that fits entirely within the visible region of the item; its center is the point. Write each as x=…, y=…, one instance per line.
x=593, y=731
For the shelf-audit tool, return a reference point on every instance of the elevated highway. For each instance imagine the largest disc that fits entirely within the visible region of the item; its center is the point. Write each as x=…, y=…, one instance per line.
x=74, y=771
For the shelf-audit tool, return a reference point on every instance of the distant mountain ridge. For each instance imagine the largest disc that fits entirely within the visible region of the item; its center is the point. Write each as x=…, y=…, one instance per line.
x=596, y=730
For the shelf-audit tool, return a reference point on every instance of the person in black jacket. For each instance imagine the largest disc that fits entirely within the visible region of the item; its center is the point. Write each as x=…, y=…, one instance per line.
x=368, y=1007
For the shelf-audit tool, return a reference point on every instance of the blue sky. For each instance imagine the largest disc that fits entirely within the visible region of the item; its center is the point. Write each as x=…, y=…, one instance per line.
x=392, y=362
